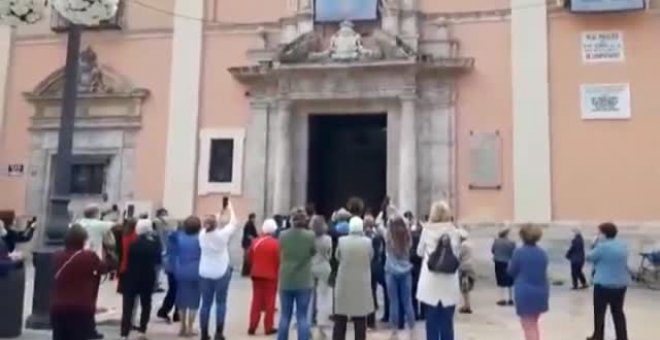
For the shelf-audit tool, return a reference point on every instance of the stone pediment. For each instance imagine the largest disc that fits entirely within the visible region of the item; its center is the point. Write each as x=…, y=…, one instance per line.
x=106, y=99
x=95, y=80
x=346, y=45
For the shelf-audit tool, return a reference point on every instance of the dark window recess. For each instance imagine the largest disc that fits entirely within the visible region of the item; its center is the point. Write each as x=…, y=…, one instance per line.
x=87, y=179
x=221, y=167
x=60, y=24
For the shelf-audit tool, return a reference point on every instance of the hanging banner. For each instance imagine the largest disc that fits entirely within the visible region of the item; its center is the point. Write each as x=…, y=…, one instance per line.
x=339, y=10
x=598, y=6
x=605, y=101
x=602, y=46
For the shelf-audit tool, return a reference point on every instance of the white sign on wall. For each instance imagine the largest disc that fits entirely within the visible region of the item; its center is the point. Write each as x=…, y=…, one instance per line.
x=605, y=101
x=602, y=46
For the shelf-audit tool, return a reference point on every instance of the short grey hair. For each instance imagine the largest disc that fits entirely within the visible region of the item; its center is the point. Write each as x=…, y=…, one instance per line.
x=91, y=211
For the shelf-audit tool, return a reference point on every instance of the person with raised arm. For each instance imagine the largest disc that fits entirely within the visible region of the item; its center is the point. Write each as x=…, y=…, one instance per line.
x=214, y=268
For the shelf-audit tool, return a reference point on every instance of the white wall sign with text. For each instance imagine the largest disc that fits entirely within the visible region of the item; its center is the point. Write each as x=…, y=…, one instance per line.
x=605, y=101
x=12, y=170
x=602, y=46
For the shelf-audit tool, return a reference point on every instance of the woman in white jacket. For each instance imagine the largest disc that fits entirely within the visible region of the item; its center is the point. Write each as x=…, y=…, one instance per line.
x=440, y=292
x=215, y=270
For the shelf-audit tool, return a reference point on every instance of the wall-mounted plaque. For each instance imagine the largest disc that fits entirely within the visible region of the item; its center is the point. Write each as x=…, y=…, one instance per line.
x=485, y=160
x=605, y=101
x=602, y=46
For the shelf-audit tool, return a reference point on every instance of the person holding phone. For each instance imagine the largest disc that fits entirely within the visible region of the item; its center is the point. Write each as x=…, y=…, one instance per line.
x=214, y=268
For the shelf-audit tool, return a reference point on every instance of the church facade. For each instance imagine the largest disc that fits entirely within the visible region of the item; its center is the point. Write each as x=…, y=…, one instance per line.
x=510, y=112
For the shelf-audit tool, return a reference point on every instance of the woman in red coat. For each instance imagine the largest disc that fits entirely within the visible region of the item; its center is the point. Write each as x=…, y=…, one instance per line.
x=73, y=298
x=264, y=255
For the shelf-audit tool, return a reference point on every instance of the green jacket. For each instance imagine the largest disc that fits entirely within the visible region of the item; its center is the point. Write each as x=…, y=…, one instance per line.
x=296, y=252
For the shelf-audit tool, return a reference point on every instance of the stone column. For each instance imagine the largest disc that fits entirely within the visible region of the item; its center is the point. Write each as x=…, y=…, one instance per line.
x=407, y=156
x=5, y=54
x=256, y=157
x=283, y=160
x=179, y=192
x=390, y=17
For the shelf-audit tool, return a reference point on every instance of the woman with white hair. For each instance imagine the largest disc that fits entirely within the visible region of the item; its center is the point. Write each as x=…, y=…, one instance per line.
x=353, y=298
x=144, y=256
x=438, y=286
x=264, y=258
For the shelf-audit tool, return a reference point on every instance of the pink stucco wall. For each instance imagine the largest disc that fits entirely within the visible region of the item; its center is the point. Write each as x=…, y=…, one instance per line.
x=223, y=100
x=484, y=105
x=605, y=169
x=248, y=11
x=32, y=62
x=435, y=6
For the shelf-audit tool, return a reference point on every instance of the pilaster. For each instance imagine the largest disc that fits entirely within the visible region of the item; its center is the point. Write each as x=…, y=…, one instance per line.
x=257, y=157
x=283, y=159
x=408, y=156
x=185, y=82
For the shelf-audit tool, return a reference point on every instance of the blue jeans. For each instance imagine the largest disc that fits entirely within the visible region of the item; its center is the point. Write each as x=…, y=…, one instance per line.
x=214, y=290
x=399, y=291
x=439, y=322
x=299, y=297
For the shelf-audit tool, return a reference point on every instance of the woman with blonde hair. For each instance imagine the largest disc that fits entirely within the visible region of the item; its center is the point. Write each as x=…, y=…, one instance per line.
x=214, y=269
x=438, y=286
x=321, y=304
x=529, y=270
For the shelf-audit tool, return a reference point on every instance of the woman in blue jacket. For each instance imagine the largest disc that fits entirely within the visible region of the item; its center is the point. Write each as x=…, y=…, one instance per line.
x=611, y=279
x=528, y=268
x=186, y=269
x=169, y=264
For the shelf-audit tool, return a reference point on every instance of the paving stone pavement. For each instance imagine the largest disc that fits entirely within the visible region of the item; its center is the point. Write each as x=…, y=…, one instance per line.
x=569, y=317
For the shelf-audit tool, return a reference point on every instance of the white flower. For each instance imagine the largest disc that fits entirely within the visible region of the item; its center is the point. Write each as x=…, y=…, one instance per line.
x=15, y=12
x=86, y=12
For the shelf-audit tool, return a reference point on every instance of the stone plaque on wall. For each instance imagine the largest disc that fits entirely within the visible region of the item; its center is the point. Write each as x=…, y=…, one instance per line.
x=485, y=160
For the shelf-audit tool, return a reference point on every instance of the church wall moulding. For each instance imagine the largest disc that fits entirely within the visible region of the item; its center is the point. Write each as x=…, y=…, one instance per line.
x=349, y=65
x=106, y=99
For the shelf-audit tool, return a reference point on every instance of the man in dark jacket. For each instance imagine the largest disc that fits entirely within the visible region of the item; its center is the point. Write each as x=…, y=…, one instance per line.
x=249, y=234
x=575, y=255
x=11, y=236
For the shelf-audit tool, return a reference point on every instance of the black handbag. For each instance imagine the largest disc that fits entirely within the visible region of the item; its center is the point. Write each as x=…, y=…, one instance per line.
x=443, y=260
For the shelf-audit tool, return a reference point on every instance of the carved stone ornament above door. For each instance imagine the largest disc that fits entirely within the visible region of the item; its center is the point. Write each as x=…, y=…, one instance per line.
x=345, y=45
x=106, y=99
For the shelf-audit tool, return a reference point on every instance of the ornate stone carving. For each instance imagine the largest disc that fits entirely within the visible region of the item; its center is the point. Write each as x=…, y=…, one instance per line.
x=94, y=80
x=300, y=48
x=346, y=45
x=91, y=77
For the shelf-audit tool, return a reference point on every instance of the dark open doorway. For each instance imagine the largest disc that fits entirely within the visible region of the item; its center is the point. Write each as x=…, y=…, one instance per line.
x=347, y=157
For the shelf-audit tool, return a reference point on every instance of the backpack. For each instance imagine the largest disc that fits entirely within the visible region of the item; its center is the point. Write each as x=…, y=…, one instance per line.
x=443, y=260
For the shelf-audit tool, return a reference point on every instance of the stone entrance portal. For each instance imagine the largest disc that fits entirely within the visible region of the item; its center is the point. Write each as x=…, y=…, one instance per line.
x=411, y=77
x=347, y=157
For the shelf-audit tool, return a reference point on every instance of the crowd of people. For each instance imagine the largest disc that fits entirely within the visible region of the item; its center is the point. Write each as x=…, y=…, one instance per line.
x=325, y=274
